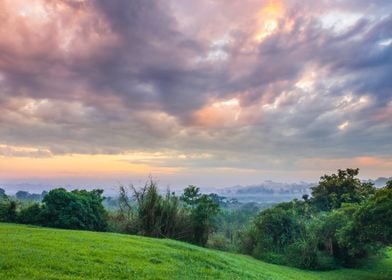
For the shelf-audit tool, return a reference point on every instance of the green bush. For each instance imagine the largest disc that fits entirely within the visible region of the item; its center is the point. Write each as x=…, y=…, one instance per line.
x=78, y=209
x=219, y=242
x=302, y=254
x=31, y=215
x=343, y=223
x=8, y=210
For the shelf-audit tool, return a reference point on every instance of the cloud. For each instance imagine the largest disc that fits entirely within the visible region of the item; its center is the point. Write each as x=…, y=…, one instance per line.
x=254, y=81
x=10, y=151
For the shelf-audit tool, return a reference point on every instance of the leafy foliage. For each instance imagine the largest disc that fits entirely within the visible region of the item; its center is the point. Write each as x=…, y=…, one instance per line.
x=189, y=218
x=78, y=209
x=371, y=226
x=336, y=189
x=8, y=209
x=2, y=194
x=373, y=220
x=343, y=222
x=31, y=215
x=231, y=221
x=202, y=209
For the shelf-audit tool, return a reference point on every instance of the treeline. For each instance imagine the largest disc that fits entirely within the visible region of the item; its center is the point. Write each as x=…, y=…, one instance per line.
x=141, y=211
x=343, y=222
x=25, y=196
x=78, y=209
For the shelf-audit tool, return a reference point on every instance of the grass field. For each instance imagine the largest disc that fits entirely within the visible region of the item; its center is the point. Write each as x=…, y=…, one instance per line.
x=40, y=253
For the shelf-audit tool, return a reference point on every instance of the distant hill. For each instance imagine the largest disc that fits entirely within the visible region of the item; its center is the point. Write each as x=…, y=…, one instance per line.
x=268, y=192
x=43, y=253
x=380, y=182
x=274, y=192
x=13, y=188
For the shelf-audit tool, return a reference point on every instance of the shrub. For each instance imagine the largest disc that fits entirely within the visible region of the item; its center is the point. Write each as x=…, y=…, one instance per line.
x=302, y=254
x=31, y=215
x=218, y=242
x=78, y=209
x=8, y=211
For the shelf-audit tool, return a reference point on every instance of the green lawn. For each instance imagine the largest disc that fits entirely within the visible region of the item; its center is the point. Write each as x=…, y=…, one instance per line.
x=41, y=253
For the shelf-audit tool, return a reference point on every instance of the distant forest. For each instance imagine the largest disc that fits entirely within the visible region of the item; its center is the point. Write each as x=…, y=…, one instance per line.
x=341, y=222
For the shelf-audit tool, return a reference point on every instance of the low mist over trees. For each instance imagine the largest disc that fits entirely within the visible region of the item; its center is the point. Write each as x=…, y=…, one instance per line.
x=26, y=196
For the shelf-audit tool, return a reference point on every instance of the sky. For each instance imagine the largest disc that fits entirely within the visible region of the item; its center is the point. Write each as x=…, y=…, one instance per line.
x=209, y=92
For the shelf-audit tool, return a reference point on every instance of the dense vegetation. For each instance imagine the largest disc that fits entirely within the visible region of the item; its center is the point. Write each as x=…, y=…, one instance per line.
x=78, y=209
x=45, y=253
x=341, y=224
x=344, y=222
x=145, y=212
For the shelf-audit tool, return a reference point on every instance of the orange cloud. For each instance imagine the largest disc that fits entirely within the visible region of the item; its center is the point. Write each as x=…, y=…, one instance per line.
x=370, y=166
x=268, y=18
x=229, y=113
x=367, y=161
x=219, y=114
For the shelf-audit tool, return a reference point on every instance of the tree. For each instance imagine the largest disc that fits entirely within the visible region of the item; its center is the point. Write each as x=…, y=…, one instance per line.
x=2, y=194
x=149, y=209
x=153, y=214
x=26, y=196
x=372, y=224
x=124, y=203
x=202, y=210
x=170, y=205
x=78, y=209
x=191, y=196
x=276, y=229
x=31, y=215
x=328, y=228
x=343, y=222
x=8, y=210
x=122, y=220
x=22, y=195
x=335, y=189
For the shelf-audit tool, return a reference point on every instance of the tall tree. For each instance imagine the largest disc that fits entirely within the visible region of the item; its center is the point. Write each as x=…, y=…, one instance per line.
x=2, y=194
x=202, y=209
x=343, y=187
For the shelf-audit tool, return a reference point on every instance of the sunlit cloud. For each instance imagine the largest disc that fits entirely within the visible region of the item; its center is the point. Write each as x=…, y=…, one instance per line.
x=344, y=125
x=268, y=18
x=340, y=21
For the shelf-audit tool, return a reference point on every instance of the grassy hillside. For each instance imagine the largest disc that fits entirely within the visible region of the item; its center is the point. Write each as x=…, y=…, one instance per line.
x=40, y=253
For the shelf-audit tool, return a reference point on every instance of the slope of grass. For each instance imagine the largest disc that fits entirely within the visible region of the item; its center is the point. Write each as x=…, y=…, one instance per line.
x=40, y=253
